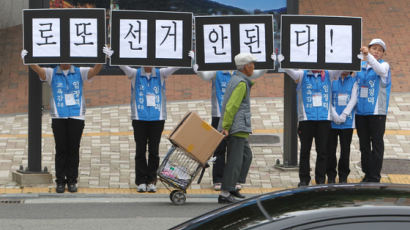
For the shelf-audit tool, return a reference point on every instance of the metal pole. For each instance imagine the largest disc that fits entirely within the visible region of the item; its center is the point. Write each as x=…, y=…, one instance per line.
x=290, y=142
x=35, y=109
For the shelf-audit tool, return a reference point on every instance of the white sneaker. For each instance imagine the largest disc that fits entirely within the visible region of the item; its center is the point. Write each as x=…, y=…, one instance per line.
x=151, y=188
x=238, y=186
x=142, y=188
x=217, y=186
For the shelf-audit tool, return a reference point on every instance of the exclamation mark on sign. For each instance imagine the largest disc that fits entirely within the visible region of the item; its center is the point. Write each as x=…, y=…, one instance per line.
x=331, y=40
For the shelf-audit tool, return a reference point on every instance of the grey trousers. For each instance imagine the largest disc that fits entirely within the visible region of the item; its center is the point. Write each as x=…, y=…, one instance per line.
x=239, y=158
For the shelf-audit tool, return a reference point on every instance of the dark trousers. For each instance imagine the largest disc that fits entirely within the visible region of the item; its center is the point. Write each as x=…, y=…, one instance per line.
x=308, y=130
x=147, y=132
x=67, y=137
x=345, y=138
x=219, y=165
x=370, y=130
x=238, y=163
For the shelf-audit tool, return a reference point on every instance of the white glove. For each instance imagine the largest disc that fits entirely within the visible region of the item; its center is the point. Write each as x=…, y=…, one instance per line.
x=342, y=117
x=212, y=159
x=23, y=54
x=280, y=58
x=273, y=57
x=108, y=51
x=191, y=54
x=360, y=56
x=195, y=68
x=336, y=119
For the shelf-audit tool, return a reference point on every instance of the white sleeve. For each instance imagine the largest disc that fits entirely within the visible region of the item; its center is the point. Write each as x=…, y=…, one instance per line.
x=382, y=69
x=296, y=75
x=49, y=75
x=84, y=73
x=130, y=72
x=335, y=74
x=165, y=72
x=353, y=100
x=207, y=75
x=258, y=73
x=334, y=113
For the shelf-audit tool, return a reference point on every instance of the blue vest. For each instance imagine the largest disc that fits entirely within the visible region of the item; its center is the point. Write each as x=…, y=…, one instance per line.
x=63, y=87
x=219, y=85
x=148, y=98
x=313, y=97
x=340, y=87
x=378, y=93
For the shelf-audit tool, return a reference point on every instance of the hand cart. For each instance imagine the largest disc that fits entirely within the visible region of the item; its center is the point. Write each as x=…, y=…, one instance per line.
x=177, y=171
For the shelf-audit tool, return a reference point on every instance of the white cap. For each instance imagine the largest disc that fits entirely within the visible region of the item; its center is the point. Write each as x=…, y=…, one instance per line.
x=244, y=58
x=378, y=41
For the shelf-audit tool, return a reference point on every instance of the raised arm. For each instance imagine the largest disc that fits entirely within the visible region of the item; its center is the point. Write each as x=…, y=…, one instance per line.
x=165, y=72
x=94, y=71
x=41, y=72
x=258, y=73
x=130, y=72
x=207, y=75
x=334, y=74
x=382, y=69
x=296, y=75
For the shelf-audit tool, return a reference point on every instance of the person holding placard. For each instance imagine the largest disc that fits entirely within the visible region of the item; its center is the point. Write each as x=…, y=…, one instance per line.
x=148, y=114
x=67, y=110
x=344, y=99
x=220, y=80
x=374, y=83
x=314, y=116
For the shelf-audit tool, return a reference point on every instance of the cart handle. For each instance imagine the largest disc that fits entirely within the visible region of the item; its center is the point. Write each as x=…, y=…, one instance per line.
x=202, y=173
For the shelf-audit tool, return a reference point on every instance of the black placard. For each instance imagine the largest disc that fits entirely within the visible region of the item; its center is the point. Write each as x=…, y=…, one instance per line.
x=234, y=23
x=151, y=18
x=64, y=16
x=324, y=47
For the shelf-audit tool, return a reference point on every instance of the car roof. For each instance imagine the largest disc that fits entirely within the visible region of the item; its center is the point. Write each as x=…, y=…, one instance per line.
x=333, y=200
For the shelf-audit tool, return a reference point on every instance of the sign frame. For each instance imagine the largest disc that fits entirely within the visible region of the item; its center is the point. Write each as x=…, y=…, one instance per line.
x=234, y=21
x=64, y=15
x=151, y=17
x=321, y=22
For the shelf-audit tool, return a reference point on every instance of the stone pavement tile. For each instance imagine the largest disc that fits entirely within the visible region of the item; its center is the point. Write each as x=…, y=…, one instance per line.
x=107, y=153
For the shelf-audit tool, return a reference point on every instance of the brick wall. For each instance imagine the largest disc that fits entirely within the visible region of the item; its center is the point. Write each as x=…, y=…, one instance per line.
x=386, y=19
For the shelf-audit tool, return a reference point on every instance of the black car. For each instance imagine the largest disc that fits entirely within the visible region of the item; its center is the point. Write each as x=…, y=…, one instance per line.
x=339, y=206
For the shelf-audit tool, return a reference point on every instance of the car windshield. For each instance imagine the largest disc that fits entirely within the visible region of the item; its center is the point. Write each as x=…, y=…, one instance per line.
x=284, y=205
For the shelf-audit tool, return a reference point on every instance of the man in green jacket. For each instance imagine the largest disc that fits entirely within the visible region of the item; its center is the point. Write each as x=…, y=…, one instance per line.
x=235, y=124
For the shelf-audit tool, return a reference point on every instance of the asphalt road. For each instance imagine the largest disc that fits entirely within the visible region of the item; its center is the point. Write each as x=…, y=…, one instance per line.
x=98, y=212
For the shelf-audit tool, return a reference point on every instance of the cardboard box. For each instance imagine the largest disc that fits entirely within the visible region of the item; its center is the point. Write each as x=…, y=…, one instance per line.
x=196, y=137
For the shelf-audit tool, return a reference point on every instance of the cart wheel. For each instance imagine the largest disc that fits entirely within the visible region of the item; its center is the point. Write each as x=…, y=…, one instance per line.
x=172, y=193
x=178, y=197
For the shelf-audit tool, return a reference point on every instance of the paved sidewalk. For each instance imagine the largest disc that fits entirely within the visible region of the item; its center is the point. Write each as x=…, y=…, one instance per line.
x=107, y=149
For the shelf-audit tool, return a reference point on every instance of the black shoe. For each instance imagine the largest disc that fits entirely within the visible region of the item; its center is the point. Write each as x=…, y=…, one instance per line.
x=72, y=187
x=303, y=183
x=331, y=180
x=226, y=200
x=237, y=194
x=342, y=180
x=60, y=188
x=364, y=180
